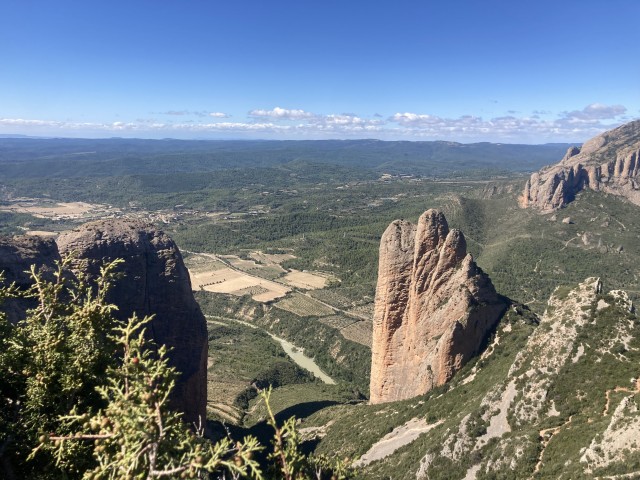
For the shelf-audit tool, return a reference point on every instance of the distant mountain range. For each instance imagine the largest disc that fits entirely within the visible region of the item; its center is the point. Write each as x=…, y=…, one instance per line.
x=37, y=157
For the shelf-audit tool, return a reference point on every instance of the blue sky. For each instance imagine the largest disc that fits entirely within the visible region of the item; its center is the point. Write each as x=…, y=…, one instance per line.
x=472, y=70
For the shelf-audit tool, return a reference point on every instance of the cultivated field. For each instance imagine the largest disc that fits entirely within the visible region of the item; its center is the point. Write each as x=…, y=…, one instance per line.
x=269, y=271
x=306, y=280
x=303, y=306
x=271, y=258
x=57, y=211
x=332, y=297
x=359, y=331
x=202, y=263
x=238, y=276
x=364, y=312
x=228, y=280
x=239, y=263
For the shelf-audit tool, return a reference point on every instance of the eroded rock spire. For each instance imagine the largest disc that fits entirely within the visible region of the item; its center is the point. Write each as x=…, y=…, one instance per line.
x=433, y=310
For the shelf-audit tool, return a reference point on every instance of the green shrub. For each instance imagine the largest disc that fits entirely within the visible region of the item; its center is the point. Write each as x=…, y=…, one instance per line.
x=85, y=396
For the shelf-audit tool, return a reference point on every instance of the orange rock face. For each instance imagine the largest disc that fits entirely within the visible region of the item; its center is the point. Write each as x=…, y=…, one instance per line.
x=434, y=308
x=609, y=163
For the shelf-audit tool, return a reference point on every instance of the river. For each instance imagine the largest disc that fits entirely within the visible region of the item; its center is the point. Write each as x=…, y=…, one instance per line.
x=296, y=354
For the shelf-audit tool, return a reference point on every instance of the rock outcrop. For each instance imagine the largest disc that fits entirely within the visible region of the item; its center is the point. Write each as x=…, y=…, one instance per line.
x=558, y=376
x=17, y=255
x=156, y=282
x=609, y=163
x=433, y=310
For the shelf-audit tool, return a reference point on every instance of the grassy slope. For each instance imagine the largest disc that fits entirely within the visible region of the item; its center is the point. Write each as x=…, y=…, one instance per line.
x=577, y=391
x=240, y=356
x=527, y=255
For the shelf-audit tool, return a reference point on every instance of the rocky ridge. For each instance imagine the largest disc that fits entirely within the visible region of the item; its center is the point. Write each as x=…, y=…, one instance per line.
x=607, y=163
x=528, y=395
x=154, y=282
x=555, y=397
x=434, y=308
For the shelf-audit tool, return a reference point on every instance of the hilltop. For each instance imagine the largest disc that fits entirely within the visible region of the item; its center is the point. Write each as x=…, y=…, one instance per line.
x=66, y=157
x=607, y=163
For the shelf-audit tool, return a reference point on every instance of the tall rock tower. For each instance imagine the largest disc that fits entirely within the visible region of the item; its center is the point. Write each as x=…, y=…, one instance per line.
x=434, y=308
x=156, y=282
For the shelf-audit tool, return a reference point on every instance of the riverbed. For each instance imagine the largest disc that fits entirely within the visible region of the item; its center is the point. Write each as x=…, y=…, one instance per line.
x=295, y=353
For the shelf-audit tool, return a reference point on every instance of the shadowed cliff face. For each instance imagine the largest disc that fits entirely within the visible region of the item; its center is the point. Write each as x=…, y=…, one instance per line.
x=609, y=163
x=17, y=255
x=434, y=308
x=155, y=282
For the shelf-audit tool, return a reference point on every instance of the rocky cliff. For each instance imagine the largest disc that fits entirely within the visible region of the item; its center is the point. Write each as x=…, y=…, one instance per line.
x=551, y=392
x=17, y=255
x=433, y=310
x=156, y=282
x=609, y=163
x=550, y=397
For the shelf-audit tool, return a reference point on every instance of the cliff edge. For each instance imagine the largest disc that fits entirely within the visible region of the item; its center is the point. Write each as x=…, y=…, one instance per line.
x=155, y=282
x=607, y=163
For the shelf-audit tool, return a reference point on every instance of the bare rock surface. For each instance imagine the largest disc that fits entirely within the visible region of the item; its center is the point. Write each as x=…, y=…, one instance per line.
x=433, y=310
x=156, y=282
x=607, y=163
x=562, y=403
x=17, y=255
x=399, y=437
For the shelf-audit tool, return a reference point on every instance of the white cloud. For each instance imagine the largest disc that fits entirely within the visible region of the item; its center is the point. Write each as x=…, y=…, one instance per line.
x=195, y=113
x=312, y=124
x=28, y=123
x=230, y=127
x=570, y=126
x=415, y=119
x=54, y=124
x=176, y=112
x=342, y=120
x=347, y=119
x=593, y=113
x=281, y=113
x=578, y=125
